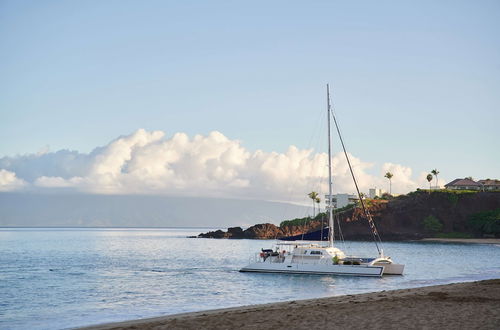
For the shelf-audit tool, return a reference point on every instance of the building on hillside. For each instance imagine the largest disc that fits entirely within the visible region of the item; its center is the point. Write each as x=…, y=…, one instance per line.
x=463, y=184
x=375, y=192
x=489, y=184
x=341, y=200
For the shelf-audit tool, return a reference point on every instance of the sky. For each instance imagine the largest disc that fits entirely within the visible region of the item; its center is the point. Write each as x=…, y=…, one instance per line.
x=227, y=98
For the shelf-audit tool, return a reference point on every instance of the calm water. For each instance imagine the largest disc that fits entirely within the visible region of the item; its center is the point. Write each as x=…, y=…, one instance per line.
x=61, y=278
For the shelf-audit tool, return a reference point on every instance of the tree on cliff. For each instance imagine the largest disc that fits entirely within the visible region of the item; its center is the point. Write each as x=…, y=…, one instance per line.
x=436, y=172
x=313, y=195
x=389, y=176
x=318, y=200
x=486, y=222
x=429, y=178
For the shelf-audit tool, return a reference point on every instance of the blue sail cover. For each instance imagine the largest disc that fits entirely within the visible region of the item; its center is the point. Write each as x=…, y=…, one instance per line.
x=312, y=236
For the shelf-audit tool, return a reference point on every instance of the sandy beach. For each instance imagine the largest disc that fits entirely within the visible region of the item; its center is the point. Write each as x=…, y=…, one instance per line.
x=472, y=305
x=463, y=240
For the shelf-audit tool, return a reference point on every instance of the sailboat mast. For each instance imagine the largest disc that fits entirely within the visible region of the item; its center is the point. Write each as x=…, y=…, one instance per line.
x=331, y=230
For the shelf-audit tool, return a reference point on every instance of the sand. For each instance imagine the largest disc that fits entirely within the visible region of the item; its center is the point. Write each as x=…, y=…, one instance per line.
x=473, y=305
x=463, y=240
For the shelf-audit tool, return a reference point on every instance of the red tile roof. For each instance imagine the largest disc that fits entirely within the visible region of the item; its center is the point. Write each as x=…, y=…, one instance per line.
x=462, y=182
x=489, y=182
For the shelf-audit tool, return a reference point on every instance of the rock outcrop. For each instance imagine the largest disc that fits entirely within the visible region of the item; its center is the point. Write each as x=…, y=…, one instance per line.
x=397, y=219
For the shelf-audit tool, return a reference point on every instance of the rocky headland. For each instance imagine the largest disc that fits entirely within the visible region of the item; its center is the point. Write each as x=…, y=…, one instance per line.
x=417, y=215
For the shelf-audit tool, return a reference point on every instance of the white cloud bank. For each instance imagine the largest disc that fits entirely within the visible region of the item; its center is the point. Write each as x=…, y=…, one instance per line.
x=209, y=166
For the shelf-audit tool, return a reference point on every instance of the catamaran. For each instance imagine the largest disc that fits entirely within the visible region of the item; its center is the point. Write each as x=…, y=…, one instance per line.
x=325, y=259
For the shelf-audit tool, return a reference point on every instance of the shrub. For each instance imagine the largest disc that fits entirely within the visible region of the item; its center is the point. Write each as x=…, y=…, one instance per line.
x=296, y=222
x=432, y=224
x=486, y=222
x=386, y=196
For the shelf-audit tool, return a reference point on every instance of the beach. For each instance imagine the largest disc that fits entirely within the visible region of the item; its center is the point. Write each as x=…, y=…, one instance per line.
x=471, y=305
x=463, y=240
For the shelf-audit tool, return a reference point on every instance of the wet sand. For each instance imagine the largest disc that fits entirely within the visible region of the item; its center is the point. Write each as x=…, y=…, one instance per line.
x=473, y=305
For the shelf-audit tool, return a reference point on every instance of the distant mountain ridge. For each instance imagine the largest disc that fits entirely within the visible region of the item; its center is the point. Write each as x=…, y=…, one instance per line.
x=86, y=210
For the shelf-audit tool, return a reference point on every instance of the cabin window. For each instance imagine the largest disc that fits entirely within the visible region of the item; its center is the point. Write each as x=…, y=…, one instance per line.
x=316, y=252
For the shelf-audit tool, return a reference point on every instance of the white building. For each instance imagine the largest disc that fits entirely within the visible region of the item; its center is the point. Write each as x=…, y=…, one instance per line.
x=341, y=200
x=375, y=192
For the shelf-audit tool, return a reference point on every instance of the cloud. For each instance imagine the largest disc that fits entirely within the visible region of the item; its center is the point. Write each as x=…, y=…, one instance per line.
x=9, y=181
x=402, y=177
x=208, y=166
x=56, y=182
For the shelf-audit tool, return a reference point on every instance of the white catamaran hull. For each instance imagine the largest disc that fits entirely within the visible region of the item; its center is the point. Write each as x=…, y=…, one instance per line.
x=391, y=269
x=318, y=269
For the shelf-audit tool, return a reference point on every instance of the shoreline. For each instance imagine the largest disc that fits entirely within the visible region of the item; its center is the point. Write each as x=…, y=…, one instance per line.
x=462, y=240
x=449, y=306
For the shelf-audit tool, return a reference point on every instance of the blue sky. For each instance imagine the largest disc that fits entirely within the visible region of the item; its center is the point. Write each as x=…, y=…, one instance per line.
x=414, y=83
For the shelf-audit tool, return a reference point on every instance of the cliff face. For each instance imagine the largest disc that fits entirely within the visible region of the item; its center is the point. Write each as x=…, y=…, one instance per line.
x=402, y=218
x=398, y=219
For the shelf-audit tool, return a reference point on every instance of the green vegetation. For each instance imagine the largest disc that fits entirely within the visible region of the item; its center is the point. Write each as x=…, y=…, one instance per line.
x=432, y=224
x=452, y=195
x=459, y=192
x=386, y=197
x=429, y=179
x=314, y=196
x=453, y=234
x=487, y=222
x=435, y=172
x=304, y=221
x=299, y=221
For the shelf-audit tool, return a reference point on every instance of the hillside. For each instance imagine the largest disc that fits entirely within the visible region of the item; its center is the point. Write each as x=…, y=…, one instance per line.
x=414, y=216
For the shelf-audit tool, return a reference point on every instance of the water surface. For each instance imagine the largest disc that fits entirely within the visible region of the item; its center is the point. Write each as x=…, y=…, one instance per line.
x=61, y=278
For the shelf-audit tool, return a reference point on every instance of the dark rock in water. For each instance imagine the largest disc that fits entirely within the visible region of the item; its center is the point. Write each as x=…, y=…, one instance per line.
x=213, y=234
x=263, y=230
x=235, y=232
x=259, y=231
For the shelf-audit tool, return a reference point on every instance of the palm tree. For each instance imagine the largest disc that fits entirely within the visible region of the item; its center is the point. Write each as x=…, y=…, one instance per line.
x=436, y=172
x=389, y=176
x=429, y=178
x=313, y=195
x=318, y=200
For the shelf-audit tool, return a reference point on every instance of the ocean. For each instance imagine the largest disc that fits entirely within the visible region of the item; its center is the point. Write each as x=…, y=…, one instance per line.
x=56, y=278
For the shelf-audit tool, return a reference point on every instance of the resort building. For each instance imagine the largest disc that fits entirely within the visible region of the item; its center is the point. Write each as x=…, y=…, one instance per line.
x=489, y=184
x=463, y=184
x=341, y=200
x=375, y=192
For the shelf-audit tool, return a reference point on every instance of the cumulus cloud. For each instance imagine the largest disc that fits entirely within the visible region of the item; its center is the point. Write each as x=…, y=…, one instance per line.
x=402, y=180
x=213, y=165
x=9, y=181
